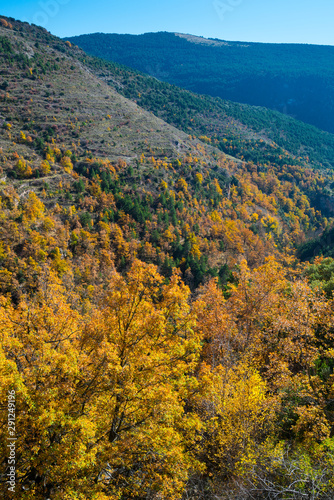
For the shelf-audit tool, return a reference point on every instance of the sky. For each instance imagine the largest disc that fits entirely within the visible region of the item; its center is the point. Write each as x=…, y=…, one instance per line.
x=276, y=21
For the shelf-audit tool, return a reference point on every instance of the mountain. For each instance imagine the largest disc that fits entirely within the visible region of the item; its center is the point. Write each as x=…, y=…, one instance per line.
x=66, y=123
x=160, y=336
x=237, y=129
x=294, y=79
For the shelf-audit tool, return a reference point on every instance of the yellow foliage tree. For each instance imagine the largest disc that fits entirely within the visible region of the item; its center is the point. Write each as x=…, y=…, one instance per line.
x=100, y=399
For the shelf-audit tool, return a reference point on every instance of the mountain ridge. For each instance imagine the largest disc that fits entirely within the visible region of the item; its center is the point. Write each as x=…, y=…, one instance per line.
x=292, y=78
x=63, y=113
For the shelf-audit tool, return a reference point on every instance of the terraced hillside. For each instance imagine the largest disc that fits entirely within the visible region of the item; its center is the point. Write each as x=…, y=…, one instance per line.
x=294, y=79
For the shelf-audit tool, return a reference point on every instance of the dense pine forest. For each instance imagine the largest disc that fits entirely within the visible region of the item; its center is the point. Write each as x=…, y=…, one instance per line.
x=166, y=287
x=295, y=79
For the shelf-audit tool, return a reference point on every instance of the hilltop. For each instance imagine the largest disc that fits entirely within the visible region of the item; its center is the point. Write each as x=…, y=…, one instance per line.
x=294, y=79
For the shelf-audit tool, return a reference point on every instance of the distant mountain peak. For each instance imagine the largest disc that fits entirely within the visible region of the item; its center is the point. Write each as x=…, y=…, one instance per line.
x=294, y=79
x=202, y=40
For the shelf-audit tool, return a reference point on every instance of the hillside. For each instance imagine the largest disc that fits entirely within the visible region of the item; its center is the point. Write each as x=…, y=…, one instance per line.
x=294, y=79
x=160, y=338
x=58, y=109
x=246, y=132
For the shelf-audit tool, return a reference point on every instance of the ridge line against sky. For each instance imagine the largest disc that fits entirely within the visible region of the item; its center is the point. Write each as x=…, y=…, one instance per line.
x=192, y=35
x=272, y=21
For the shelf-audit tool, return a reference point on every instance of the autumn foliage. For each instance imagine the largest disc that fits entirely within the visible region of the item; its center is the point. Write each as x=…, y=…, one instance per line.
x=163, y=340
x=136, y=387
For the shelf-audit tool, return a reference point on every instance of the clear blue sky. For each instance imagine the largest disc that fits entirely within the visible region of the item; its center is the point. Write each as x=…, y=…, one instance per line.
x=293, y=21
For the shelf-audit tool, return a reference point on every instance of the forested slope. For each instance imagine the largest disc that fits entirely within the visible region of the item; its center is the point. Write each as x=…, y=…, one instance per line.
x=294, y=79
x=159, y=336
